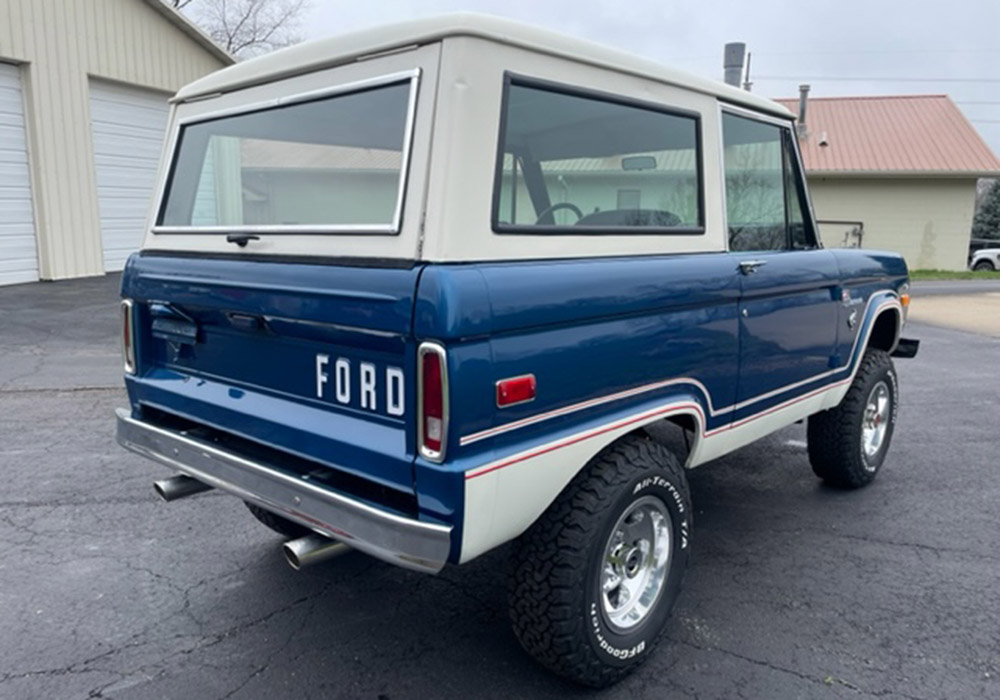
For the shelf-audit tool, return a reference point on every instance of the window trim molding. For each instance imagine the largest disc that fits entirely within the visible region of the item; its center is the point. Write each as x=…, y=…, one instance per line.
x=393, y=228
x=805, y=200
x=511, y=79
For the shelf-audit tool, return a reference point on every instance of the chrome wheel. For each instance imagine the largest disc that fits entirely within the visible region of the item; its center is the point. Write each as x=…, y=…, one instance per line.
x=875, y=421
x=636, y=562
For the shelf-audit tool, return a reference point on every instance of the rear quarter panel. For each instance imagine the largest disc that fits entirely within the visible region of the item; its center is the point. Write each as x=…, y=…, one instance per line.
x=607, y=340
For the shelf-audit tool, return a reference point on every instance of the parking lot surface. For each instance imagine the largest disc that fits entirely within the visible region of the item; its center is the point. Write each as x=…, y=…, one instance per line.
x=976, y=313
x=794, y=590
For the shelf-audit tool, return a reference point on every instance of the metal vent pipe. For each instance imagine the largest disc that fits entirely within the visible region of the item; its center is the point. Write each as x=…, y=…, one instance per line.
x=800, y=127
x=732, y=62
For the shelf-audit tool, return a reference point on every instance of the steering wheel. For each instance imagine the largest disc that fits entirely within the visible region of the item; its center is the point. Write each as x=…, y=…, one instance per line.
x=556, y=207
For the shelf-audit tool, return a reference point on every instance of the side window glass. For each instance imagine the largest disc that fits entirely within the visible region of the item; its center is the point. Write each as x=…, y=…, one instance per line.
x=755, y=188
x=799, y=230
x=591, y=164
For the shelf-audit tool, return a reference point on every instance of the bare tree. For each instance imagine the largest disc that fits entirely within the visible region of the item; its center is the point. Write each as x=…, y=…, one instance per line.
x=246, y=28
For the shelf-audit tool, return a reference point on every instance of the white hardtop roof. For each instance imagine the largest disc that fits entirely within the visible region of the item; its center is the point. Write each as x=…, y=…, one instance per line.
x=326, y=53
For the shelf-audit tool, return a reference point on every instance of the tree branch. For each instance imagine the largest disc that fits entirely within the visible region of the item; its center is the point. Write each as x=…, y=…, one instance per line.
x=247, y=27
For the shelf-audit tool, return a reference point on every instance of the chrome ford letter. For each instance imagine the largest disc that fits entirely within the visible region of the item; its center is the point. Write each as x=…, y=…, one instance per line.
x=394, y=391
x=321, y=361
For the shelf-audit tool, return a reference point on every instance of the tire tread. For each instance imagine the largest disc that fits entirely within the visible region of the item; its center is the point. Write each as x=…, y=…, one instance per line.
x=544, y=590
x=833, y=434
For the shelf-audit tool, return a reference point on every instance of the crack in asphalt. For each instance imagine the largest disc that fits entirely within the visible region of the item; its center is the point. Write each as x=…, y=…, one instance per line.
x=56, y=390
x=206, y=642
x=798, y=674
x=894, y=543
x=292, y=632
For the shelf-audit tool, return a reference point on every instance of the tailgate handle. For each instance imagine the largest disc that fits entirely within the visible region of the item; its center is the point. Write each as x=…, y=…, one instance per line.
x=172, y=325
x=246, y=322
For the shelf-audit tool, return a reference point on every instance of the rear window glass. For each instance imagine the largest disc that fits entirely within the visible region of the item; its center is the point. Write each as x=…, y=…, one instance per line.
x=582, y=163
x=335, y=163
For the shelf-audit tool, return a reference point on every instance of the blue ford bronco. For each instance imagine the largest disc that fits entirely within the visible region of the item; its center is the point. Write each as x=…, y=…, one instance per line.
x=424, y=290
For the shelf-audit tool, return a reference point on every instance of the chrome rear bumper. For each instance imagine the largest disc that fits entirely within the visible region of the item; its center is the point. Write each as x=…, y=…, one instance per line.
x=409, y=543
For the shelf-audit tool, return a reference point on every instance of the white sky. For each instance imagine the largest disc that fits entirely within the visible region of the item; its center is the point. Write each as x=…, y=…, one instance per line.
x=813, y=41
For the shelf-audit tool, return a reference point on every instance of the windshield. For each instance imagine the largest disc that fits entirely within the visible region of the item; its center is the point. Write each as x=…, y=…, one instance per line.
x=334, y=163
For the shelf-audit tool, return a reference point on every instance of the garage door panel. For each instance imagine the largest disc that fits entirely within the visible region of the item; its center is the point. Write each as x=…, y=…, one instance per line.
x=17, y=205
x=124, y=176
x=18, y=247
x=12, y=131
x=14, y=180
x=123, y=184
x=148, y=140
x=140, y=152
x=123, y=204
x=128, y=125
x=21, y=246
x=11, y=101
x=142, y=131
x=132, y=182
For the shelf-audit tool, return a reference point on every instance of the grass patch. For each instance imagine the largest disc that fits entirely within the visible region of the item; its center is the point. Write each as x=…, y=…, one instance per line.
x=954, y=275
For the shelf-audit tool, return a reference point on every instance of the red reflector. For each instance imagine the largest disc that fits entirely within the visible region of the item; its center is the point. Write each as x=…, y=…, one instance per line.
x=433, y=401
x=516, y=390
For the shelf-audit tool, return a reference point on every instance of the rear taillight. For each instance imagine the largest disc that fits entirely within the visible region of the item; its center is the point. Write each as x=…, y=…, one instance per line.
x=128, y=336
x=432, y=395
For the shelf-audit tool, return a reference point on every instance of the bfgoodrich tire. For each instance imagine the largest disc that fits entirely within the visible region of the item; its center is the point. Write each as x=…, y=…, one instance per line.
x=848, y=444
x=594, y=579
x=282, y=526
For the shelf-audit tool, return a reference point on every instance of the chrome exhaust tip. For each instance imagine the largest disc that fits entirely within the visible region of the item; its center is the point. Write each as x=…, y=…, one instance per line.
x=179, y=486
x=312, y=549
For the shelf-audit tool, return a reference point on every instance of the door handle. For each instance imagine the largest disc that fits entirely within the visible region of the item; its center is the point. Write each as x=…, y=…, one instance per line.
x=749, y=266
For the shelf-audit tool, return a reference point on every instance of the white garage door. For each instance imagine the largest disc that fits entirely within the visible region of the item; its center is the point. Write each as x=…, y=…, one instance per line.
x=128, y=125
x=18, y=257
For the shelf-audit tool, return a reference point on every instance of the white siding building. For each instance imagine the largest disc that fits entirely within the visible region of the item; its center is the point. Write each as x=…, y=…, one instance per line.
x=895, y=173
x=83, y=108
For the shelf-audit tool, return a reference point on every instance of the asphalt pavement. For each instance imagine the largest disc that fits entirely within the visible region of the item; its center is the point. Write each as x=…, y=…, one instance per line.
x=794, y=590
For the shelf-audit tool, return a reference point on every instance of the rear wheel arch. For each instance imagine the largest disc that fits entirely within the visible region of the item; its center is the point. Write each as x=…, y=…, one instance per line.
x=687, y=420
x=679, y=433
x=522, y=513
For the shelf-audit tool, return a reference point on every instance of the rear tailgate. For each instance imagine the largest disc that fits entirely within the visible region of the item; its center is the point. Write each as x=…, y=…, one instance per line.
x=312, y=360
